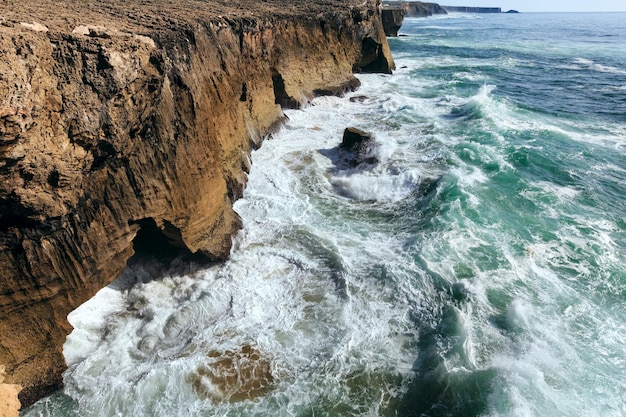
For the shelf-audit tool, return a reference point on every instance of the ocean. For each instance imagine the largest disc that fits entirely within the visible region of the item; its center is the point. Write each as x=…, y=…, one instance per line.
x=474, y=265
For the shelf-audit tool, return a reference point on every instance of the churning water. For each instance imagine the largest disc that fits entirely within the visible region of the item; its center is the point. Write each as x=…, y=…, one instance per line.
x=477, y=269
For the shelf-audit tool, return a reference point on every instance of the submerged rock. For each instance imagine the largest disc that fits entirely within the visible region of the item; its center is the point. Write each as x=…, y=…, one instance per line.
x=233, y=376
x=358, y=99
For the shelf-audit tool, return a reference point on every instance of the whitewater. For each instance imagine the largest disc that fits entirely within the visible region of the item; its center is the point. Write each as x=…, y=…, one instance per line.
x=478, y=268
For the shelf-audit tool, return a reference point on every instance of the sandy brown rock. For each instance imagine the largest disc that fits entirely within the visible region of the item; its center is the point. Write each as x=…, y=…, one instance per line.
x=9, y=402
x=233, y=375
x=121, y=116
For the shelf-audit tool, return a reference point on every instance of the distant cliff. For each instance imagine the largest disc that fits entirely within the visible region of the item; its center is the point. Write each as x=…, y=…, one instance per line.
x=463, y=9
x=415, y=8
x=132, y=121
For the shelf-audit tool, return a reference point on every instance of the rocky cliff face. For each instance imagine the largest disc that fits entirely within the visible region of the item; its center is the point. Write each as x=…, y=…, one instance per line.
x=435, y=8
x=131, y=118
x=416, y=8
x=392, y=18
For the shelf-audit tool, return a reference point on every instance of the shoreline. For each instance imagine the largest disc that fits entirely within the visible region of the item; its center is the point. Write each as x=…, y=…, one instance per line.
x=127, y=119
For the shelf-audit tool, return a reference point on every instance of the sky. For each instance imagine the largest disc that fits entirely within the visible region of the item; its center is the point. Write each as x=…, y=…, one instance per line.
x=544, y=5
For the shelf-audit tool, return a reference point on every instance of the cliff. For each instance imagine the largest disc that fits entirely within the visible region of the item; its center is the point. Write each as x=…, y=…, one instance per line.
x=464, y=9
x=416, y=8
x=392, y=18
x=425, y=9
x=126, y=122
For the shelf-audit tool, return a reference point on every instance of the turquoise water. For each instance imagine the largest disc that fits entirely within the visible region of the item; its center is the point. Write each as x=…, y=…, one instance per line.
x=478, y=269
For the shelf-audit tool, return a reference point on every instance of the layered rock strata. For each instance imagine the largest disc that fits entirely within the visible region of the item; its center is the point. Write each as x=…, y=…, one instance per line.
x=123, y=118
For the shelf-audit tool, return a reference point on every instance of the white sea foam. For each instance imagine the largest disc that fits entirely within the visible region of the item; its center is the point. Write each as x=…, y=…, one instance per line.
x=585, y=64
x=470, y=76
x=470, y=176
x=372, y=186
x=517, y=315
x=583, y=61
x=563, y=193
x=440, y=27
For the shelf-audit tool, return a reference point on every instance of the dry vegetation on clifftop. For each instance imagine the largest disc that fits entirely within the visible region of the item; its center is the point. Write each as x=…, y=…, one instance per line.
x=127, y=117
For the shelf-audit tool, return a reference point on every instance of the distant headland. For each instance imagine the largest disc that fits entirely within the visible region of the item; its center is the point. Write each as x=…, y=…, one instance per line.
x=425, y=9
x=466, y=9
x=394, y=12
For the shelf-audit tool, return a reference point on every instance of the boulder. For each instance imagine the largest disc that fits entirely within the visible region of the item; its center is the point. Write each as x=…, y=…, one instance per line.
x=359, y=145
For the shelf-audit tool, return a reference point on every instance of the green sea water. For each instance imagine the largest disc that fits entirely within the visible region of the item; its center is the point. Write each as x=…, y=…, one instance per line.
x=477, y=269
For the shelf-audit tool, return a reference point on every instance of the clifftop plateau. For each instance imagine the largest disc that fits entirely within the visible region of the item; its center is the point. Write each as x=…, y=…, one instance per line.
x=126, y=126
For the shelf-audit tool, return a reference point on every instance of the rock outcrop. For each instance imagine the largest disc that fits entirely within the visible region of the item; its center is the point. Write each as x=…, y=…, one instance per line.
x=359, y=146
x=392, y=18
x=126, y=118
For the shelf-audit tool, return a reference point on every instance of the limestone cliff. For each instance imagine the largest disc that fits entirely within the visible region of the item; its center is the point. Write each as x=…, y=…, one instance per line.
x=416, y=8
x=120, y=118
x=423, y=9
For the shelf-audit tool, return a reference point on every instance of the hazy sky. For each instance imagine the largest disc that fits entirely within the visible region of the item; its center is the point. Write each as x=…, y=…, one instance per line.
x=544, y=5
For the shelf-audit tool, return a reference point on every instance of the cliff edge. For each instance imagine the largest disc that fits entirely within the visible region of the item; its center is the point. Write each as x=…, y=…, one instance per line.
x=122, y=120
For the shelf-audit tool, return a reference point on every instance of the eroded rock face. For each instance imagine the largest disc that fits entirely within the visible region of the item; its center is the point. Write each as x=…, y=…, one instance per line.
x=392, y=18
x=115, y=115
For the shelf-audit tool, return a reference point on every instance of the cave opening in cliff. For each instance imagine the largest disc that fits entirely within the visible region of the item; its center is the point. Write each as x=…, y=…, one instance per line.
x=163, y=245
x=280, y=93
